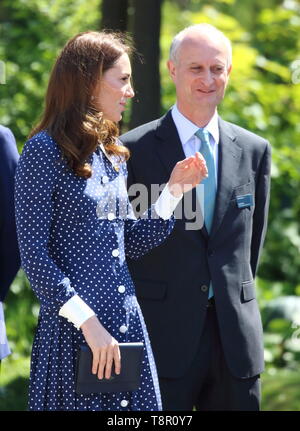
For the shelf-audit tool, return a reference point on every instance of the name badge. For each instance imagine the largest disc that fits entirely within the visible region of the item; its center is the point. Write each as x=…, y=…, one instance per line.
x=244, y=201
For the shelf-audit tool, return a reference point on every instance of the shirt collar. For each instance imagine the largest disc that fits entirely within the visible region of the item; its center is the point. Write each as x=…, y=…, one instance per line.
x=186, y=129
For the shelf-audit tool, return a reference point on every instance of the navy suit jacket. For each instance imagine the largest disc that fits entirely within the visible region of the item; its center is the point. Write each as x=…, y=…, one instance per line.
x=9, y=253
x=172, y=280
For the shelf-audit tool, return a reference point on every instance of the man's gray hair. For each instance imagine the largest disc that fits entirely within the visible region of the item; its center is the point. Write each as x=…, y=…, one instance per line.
x=201, y=28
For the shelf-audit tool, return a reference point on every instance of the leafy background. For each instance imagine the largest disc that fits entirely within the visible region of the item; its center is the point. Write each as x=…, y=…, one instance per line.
x=263, y=96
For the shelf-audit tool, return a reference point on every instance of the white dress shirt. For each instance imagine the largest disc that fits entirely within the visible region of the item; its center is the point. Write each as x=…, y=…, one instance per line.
x=189, y=141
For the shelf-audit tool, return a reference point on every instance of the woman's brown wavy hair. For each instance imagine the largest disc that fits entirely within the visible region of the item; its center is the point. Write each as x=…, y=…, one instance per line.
x=69, y=115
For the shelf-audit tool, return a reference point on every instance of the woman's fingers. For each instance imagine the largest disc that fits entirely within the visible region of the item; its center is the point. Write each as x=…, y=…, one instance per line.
x=103, y=360
x=102, y=363
x=96, y=355
x=184, y=164
x=117, y=359
x=200, y=166
x=202, y=163
x=187, y=174
x=109, y=361
x=113, y=356
x=186, y=161
x=197, y=161
x=200, y=160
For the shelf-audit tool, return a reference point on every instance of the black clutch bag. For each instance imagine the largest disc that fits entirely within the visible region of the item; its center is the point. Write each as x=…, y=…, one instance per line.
x=128, y=380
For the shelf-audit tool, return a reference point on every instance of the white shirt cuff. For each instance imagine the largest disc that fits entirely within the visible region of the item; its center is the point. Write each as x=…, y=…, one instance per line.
x=76, y=311
x=166, y=203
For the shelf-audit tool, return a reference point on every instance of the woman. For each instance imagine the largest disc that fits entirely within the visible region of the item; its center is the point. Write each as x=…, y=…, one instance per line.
x=73, y=231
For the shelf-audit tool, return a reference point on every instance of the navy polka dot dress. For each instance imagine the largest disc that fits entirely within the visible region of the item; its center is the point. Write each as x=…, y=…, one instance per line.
x=73, y=239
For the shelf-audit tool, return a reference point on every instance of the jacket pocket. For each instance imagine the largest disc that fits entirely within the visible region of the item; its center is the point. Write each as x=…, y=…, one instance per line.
x=147, y=289
x=248, y=291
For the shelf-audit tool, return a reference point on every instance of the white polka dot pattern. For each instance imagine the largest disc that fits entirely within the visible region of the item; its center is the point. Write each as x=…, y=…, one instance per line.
x=67, y=243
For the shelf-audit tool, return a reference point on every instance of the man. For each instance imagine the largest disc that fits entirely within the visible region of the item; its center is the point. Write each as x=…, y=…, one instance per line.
x=197, y=289
x=9, y=253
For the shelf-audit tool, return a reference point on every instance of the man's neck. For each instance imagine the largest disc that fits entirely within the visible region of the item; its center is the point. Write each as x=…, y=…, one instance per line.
x=200, y=117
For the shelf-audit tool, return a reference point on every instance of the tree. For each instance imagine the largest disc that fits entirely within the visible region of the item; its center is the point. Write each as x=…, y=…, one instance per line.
x=114, y=14
x=143, y=20
x=146, y=34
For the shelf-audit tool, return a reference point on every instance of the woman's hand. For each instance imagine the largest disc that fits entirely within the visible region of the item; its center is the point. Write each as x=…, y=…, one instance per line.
x=187, y=174
x=104, y=347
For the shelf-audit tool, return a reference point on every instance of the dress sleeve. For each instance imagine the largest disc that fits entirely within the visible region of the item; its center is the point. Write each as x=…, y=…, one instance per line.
x=35, y=180
x=152, y=229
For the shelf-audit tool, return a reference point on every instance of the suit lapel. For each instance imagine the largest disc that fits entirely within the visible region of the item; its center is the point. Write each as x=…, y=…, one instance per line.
x=169, y=148
x=229, y=159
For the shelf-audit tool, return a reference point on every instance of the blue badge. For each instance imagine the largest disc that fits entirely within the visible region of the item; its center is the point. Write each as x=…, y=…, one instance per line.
x=244, y=201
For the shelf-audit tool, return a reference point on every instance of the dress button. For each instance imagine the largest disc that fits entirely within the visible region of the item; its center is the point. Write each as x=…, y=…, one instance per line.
x=124, y=403
x=111, y=216
x=105, y=179
x=121, y=289
x=115, y=253
x=123, y=329
x=204, y=288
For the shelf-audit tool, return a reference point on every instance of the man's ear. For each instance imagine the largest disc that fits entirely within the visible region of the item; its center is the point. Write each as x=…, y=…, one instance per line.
x=229, y=70
x=171, y=68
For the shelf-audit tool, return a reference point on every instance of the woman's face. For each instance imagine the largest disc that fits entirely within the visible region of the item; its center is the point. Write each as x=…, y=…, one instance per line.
x=114, y=89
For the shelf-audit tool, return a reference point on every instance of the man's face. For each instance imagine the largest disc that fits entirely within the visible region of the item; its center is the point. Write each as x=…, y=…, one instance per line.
x=200, y=72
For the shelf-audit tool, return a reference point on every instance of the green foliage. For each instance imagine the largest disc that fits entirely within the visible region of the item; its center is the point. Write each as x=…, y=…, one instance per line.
x=32, y=33
x=14, y=380
x=21, y=311
x=281, y=391
x=281, y=321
